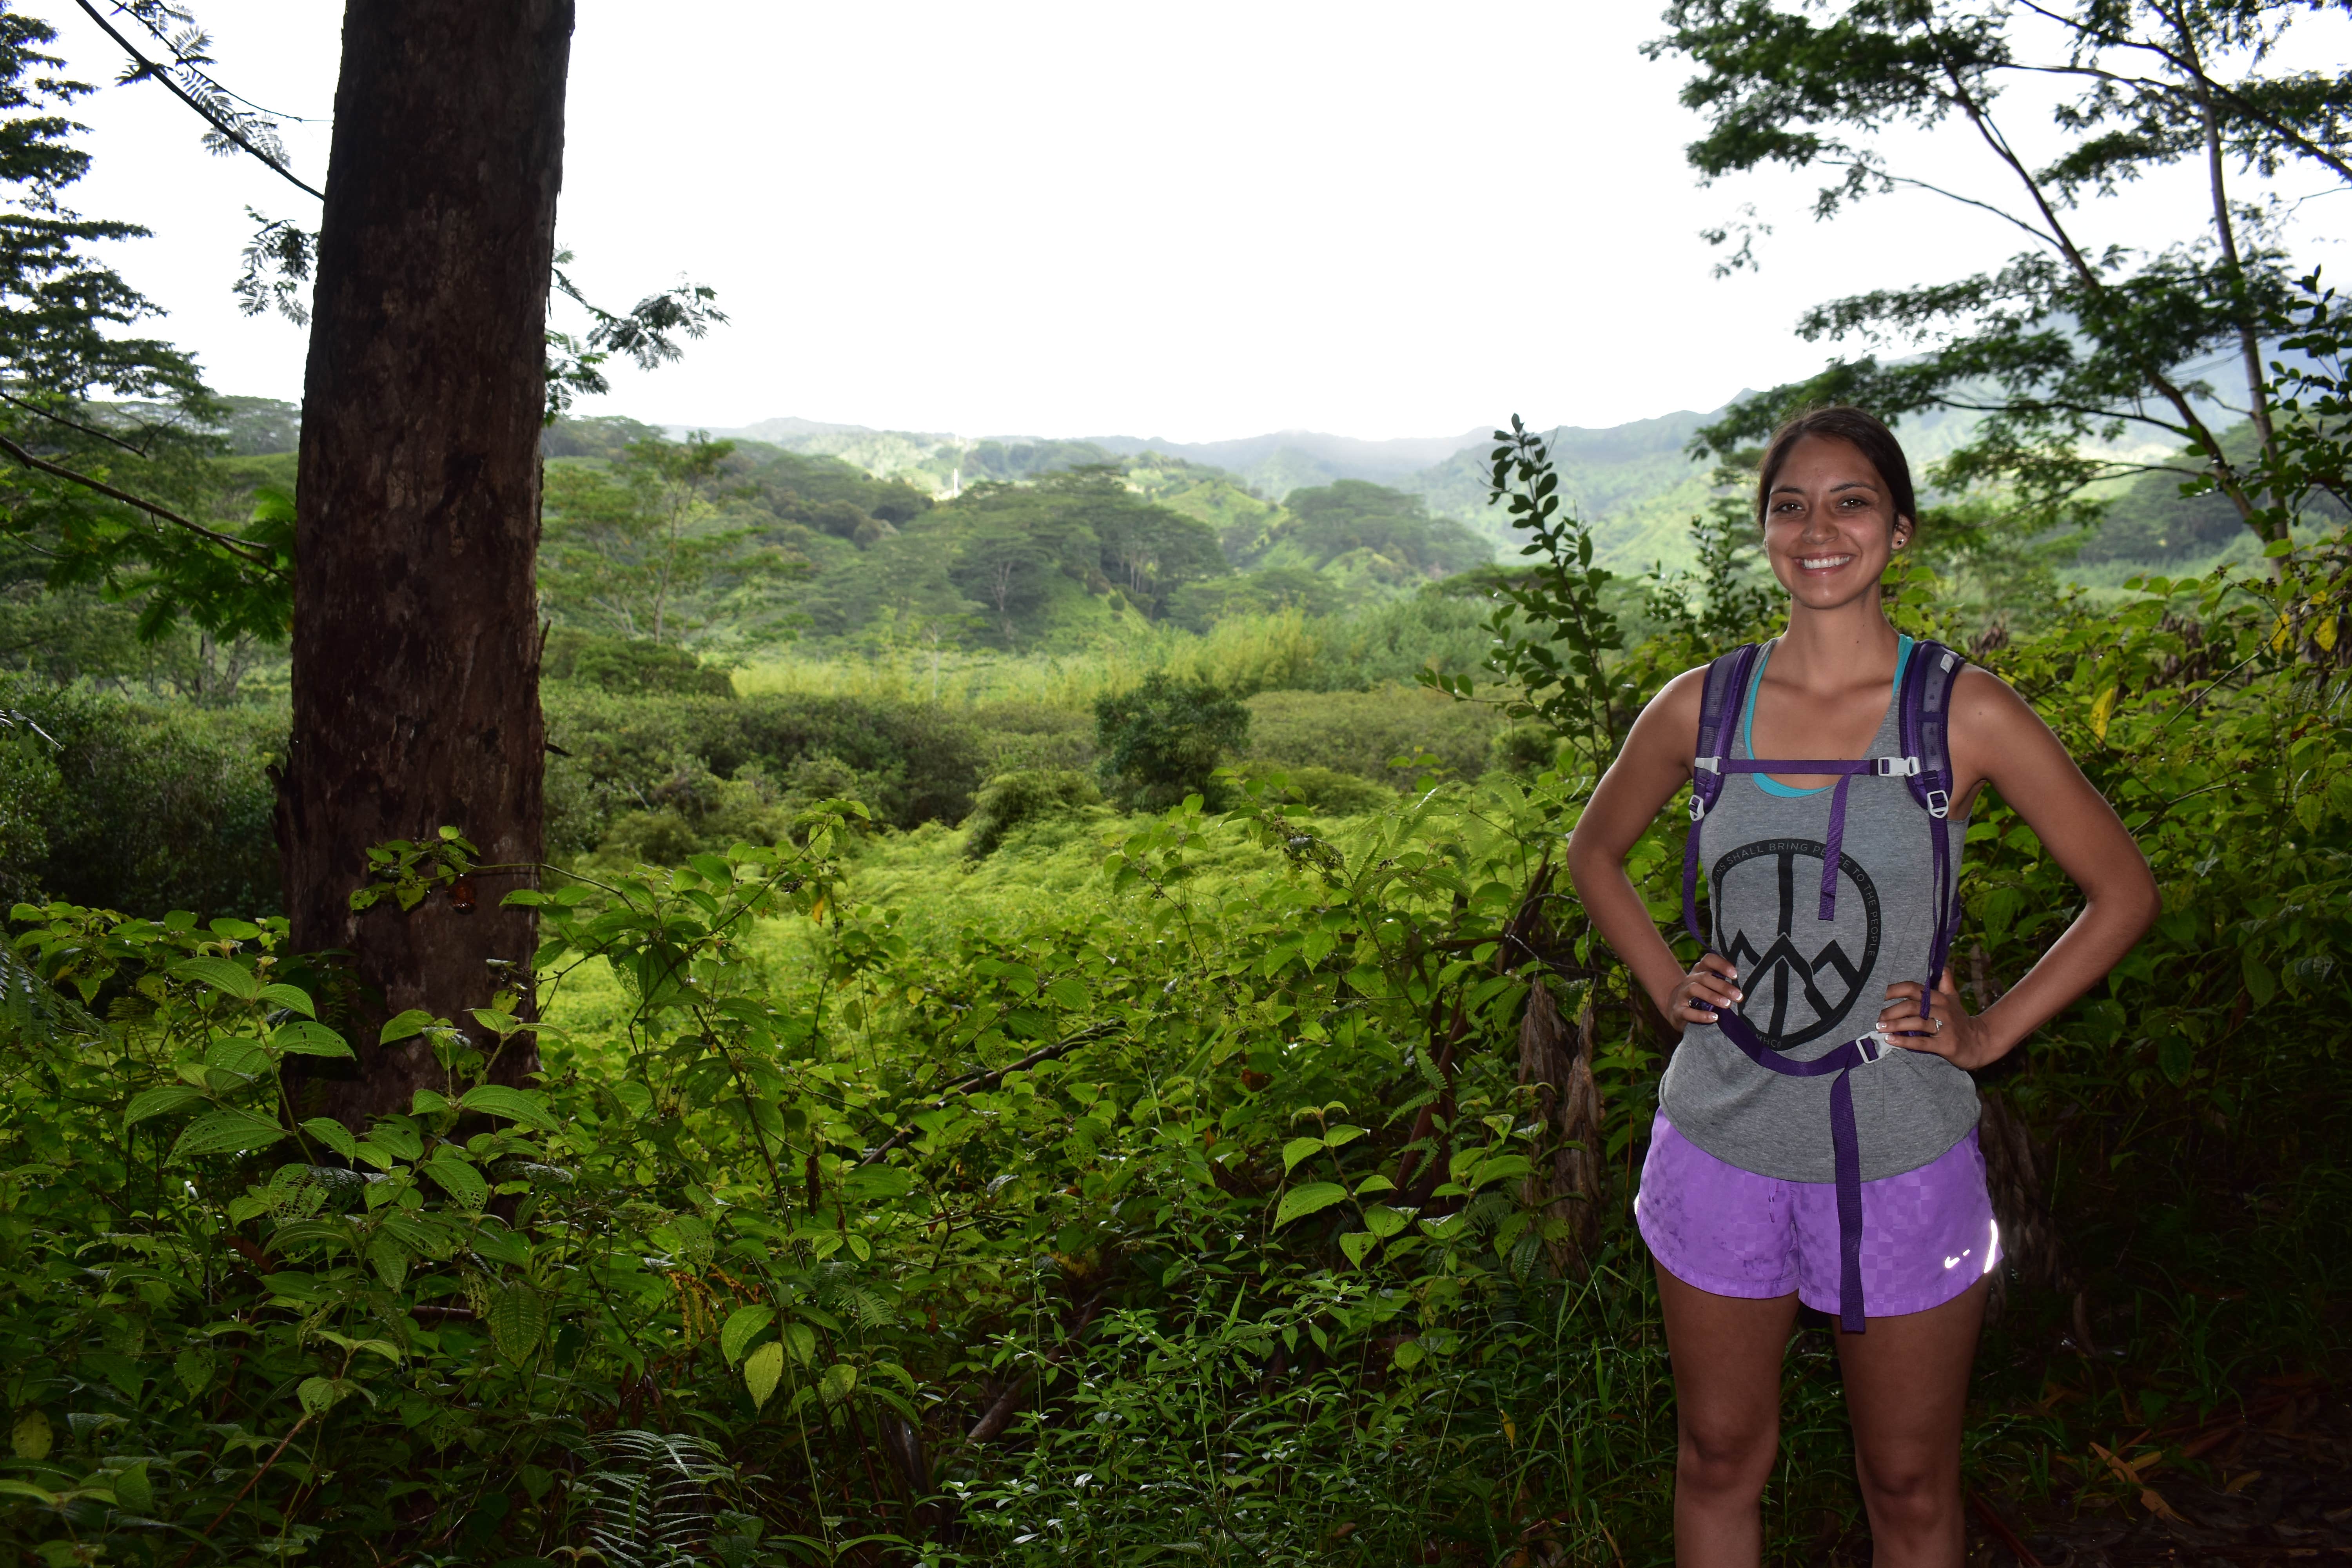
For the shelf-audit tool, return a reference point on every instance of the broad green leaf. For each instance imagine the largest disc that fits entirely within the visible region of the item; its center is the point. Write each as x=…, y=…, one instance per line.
x=1338, y=1137
x=1499, y=1168
x=427, y=1102
x=305, y=1038
x=496, y=1022
x=763, y=1371
x=514, y=1104
x=1298, y=1149
x=1357, y=1243
x=1408, y=1355
x=743, y=1324
x=397, y=1134
x=31, y=1437
x=402, y=1026
x=1372, y=1185
x=803, y=1339
x=245, y=1059
x=222, y=974
x=226, y=1131
x=293, y=998
x=159, y=1102
x=1067, y=991
x=499, y=1245
x=194, y=1368
x=456, y=1178
x=389, y=1258
x=317, y=1394
x=2261, y=984
x=2175, y=1057
x=1312, y=1198
x=26, y=1489
x=132, y=1490
x=876, y=1183
x=1383, y=1221
x=518, y=1318
x=837, y=1382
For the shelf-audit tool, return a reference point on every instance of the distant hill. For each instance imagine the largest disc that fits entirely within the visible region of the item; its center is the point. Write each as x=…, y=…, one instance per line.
x=1272, y=464
x=1631, y=480
x=1293, y=459
x=1634, y=482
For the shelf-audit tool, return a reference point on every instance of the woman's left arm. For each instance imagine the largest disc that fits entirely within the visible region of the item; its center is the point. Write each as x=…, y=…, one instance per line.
x=1998, y=740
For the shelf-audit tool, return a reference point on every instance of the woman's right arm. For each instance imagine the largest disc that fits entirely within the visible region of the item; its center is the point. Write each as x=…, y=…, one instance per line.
x=1654, y=762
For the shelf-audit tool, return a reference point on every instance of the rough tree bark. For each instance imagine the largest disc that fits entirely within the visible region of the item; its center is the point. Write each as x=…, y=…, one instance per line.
x=416, y=623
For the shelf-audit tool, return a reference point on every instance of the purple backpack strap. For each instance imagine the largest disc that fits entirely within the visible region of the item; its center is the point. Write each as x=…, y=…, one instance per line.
x=1718, y=716
x=1925, y=716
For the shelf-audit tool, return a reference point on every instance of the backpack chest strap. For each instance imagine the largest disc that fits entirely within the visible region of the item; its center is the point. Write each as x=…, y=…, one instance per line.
x=1846, y=769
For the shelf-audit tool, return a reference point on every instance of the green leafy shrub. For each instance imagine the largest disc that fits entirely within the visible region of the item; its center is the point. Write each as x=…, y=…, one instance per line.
x=914, y=763
x=1329, y=792
x=1525, y=749
x=1010, y=800
x=1361, y=732
x=142, y=808
x=1018, y=736
x=1163, y=740
x=630, y=667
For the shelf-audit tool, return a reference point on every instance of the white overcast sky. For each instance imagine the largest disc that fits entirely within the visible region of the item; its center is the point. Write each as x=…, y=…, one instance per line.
x=1192, y=222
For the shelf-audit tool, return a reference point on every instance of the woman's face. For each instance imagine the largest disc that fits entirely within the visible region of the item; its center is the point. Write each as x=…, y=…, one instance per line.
x=1829, y=524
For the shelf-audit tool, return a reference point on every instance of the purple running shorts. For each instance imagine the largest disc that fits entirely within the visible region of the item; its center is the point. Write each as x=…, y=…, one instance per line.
x=1926, y=1235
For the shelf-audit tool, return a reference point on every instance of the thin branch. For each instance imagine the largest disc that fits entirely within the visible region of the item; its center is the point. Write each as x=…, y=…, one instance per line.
x=979, y=1083
x=238, y=547
x=150, y=68
x=1892, y=179
x=248, y=1486
x=2225, y=474
x=36, y=409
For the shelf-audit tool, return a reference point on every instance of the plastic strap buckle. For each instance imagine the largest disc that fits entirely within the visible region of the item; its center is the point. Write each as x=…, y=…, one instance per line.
x=1698, y=806
x=1939, y=803
x=1894, y=768
x=1707, y=764
x=1873, y=1045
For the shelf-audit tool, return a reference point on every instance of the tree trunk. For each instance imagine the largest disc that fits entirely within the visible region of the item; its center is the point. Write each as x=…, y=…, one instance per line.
x=415, y=618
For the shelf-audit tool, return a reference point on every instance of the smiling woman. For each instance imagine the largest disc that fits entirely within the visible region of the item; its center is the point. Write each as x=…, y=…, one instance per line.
x=1845, y=1173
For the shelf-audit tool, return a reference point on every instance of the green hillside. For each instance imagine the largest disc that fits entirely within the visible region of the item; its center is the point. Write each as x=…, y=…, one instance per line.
x=735, y=547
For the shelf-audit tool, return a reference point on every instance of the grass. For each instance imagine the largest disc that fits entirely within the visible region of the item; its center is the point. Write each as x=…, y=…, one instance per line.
x=1248, y=653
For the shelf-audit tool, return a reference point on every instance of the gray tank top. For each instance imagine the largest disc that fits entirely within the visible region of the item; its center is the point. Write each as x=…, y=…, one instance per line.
x=1811, y=984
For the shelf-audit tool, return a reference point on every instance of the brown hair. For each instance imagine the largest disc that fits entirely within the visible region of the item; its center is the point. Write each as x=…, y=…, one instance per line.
x=1857, y=429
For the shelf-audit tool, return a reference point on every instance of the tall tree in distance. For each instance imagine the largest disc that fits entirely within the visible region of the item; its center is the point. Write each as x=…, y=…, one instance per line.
x=415, y=692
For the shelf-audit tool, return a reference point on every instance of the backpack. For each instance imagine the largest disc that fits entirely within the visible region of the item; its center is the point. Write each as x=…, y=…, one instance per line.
x=1922, y=721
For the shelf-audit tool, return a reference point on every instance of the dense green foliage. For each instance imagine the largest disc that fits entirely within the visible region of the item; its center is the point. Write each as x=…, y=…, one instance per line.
x=1166, y=739
x=1275, y=1250
x=127, y=806
x=1088, y=1061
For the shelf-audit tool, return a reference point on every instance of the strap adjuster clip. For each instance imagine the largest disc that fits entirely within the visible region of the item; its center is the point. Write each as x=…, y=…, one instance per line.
x=1939, y=803
x=1708, y=764
x=1874, y=1046
x=1698, y=806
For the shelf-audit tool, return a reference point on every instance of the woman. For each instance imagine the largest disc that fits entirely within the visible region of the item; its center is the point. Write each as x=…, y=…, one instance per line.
x=1737, y=1199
